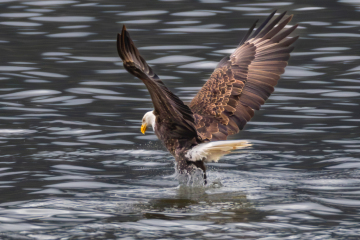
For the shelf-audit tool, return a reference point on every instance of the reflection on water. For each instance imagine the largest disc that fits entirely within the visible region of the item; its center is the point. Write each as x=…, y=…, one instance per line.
x=74, y=164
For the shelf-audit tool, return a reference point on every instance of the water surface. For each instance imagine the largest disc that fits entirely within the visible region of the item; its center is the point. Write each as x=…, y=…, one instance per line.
x=74, y=165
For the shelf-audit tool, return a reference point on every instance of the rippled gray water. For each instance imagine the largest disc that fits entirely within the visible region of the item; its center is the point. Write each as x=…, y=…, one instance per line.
x=74, y=165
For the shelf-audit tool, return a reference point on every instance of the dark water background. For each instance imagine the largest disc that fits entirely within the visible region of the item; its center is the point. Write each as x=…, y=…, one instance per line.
x=74, y=165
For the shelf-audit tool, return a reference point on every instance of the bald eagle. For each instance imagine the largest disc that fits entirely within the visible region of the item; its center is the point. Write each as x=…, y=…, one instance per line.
x=240, y=84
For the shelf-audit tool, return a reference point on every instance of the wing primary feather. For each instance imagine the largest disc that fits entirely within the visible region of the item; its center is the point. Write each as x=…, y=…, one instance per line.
x=284, y=34
x=248, y=33
x=118, y=46
x=278, y=28
x=288, y=42
x=263, y=24
x=270, y=26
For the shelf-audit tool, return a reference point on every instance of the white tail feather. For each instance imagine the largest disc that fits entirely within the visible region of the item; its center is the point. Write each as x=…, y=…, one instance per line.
x=213, y=151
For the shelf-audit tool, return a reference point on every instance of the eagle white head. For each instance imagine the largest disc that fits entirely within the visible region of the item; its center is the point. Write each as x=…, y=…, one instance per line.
x=148, y=120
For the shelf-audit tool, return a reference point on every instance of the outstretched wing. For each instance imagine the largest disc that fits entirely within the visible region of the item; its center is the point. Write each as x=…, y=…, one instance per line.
x=243, y=81
x=167, y=107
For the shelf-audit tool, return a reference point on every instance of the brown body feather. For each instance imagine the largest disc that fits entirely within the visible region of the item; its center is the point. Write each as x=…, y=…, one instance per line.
x=240, y=84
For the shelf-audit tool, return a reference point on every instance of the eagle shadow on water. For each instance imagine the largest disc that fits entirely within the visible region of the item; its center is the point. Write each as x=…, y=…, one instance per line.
x=240, y=84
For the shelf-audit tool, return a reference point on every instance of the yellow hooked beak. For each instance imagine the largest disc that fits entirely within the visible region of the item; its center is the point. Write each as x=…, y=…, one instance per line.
x=143, y=128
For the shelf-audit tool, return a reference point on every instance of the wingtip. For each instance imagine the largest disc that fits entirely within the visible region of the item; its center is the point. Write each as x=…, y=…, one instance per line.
x=271, y=15
x=293, y=28
x=282, y=15
x=290, y=17
x=258, y=30
x=124, y=30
